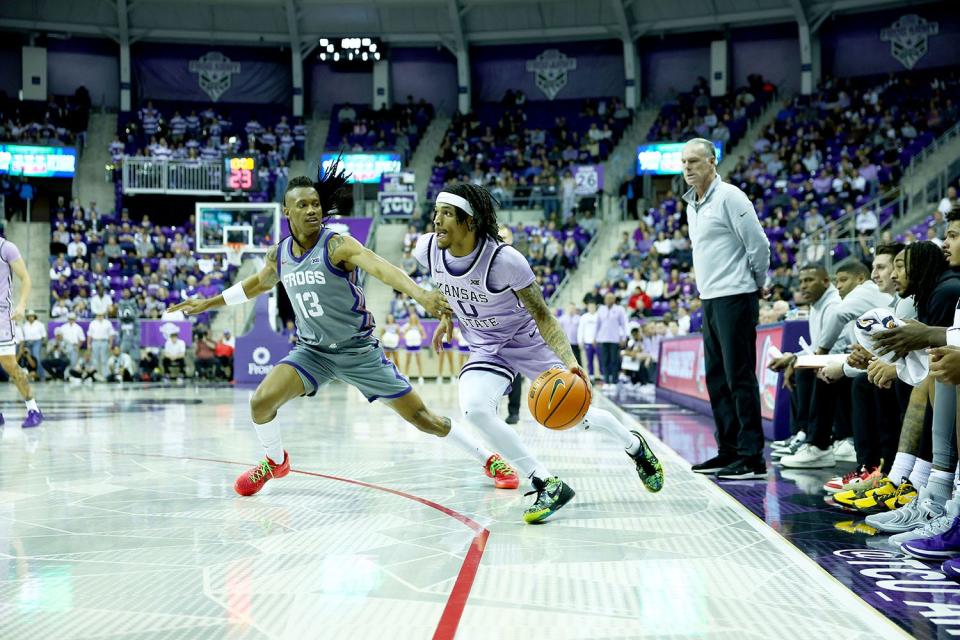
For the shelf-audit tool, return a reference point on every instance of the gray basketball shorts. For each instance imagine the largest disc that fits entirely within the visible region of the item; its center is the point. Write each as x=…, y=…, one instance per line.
x=364, y=366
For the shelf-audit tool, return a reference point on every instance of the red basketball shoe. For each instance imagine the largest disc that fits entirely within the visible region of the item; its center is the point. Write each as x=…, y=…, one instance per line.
x=253, y=479
x=504, y=477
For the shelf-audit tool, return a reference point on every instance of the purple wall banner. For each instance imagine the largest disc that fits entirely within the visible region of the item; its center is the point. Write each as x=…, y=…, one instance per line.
x=424, y=72
x=923, y=37
x=548, y=71
x=152, y=332
x=589, y=179
x=359, y=228
x=201, y=74
x=259, y=350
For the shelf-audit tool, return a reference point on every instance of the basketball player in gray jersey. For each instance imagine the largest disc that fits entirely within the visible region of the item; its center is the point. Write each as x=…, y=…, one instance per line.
x=318, y=270
x=493, y=292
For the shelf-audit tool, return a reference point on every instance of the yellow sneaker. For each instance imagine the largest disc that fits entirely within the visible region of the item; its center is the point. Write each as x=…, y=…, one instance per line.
x=875, y=482
x=906, y=493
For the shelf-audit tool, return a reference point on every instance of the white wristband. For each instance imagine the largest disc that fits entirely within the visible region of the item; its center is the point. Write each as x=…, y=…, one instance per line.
x=235, y=295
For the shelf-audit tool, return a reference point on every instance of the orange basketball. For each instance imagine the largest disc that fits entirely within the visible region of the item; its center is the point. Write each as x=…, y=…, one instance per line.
x=558, y=399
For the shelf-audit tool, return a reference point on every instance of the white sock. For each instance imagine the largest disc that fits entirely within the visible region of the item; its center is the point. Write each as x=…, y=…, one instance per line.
x=32, y=404
x=269, y=435
x=604, y=420
x=940, y=486
x=921, y=472
x=902, y=466
x=480, y=393
x=460, y=435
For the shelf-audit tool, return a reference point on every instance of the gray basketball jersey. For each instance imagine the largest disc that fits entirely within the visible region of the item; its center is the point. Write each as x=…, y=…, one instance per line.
x=328, y=302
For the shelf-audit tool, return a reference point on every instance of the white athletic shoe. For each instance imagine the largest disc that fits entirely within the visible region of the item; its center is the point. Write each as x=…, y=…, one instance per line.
x=912, y=516
x=933, y=528
x=810, y=457
x=843, y=451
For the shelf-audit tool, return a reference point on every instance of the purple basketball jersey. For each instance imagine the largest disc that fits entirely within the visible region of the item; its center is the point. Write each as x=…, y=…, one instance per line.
x=502, y=335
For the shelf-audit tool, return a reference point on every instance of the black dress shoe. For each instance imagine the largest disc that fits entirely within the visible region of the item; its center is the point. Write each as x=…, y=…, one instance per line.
x=513, y=418
x=714, y=464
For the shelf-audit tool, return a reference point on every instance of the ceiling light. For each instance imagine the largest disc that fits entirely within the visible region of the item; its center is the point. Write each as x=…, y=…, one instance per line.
x=324, y=42
x=365, y=42
x=336, y=57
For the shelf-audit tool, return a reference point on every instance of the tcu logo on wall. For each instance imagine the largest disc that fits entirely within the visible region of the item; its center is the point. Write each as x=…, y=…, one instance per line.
x=551, y=69
x=908, y=38
x=215, y=72
x=398, y=205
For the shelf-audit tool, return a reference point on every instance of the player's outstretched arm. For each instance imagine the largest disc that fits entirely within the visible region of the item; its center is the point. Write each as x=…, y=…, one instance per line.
x=346, y=250
x=251, y=287
x=549, y=326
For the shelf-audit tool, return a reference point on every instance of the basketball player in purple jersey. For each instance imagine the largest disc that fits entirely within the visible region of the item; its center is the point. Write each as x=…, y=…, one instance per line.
x=503, y=316
x=319, y=271
x=12, y=264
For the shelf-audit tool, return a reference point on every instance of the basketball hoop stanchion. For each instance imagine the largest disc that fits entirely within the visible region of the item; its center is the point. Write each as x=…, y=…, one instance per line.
x=234, y=253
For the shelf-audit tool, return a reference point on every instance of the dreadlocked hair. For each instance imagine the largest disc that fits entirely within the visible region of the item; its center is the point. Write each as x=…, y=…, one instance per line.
x=484, y=207
x=335, y=196
x=924, y=264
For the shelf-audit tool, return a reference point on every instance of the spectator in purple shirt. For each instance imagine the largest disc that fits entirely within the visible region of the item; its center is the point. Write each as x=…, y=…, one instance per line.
x=611, y=336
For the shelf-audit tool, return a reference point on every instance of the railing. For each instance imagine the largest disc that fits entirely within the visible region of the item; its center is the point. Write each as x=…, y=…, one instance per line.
x=931, y=148
x=188, y=177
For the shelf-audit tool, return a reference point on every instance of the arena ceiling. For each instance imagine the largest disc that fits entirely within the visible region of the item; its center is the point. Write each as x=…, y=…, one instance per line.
x=449, y=23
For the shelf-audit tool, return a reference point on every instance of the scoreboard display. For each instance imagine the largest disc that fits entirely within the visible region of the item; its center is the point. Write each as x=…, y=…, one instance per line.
x=239, y=173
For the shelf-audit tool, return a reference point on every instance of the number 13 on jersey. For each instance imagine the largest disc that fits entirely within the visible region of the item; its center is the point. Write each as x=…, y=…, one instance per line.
x=310, y=304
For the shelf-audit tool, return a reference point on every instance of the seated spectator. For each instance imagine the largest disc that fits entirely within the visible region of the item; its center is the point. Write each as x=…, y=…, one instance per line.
x=174, y=356
x=224, y=352
x=120, y=366
x=206, y=361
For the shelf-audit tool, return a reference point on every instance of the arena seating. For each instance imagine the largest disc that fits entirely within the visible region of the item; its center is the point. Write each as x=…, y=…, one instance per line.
x=521, y=151
x=58, y=121
x=400, y=128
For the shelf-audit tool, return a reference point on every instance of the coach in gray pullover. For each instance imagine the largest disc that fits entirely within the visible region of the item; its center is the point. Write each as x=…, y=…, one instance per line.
x=731, y=256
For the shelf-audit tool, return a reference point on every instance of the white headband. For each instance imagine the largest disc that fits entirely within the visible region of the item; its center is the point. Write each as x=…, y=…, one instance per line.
x=445, y=197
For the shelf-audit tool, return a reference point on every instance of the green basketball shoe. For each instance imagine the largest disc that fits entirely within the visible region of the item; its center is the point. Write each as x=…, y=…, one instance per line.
x=552, y=494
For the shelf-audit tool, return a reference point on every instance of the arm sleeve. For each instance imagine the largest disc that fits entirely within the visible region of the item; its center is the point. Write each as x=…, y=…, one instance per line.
x=510, y=269
x=9, y=252
x=744, y=221
x=953, y=333
x=423, y=247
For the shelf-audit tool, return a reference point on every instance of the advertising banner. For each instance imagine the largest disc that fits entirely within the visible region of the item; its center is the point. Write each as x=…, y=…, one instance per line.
x=38, y=162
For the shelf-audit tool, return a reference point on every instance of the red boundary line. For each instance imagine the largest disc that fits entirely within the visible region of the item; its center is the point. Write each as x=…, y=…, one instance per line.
x=457, y=601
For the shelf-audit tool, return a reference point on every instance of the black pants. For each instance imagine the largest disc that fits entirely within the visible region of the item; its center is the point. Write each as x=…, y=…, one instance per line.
x=516, y=393
x=730, y=354
x=823, y=411
x=610, y=361
x=843, y=414
x=876, y=423
x=801, y=400
x=576, y=353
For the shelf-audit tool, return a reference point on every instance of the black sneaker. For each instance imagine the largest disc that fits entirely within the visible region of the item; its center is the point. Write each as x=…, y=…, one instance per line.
x=513, y=418
x=714, y=464
x=648, y=466
x=744, y=469
x=552, y=494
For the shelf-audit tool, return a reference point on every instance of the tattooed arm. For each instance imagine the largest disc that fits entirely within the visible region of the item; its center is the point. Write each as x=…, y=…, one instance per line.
x=549, y=326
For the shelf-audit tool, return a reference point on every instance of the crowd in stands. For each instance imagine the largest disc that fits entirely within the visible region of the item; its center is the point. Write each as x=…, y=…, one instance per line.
x=399, y=128
x=60, y=121
x=98, y=352
x=723, y=119
x=95, y=259
x=209, y=133
x=523, y=151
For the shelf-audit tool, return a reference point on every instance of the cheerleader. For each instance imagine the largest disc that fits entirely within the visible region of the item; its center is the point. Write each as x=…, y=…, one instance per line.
x=462, y=347
x=413, y=336
x=390, y=339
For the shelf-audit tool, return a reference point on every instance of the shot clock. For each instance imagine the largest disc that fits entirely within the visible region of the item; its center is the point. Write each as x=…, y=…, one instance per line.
x=239, y=173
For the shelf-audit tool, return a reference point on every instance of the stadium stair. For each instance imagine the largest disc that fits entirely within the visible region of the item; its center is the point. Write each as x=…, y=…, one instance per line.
x=91, y=182
x=754, y=131
x=422, y=161
x=593, y=263
x=620, y=164
x=919, y=184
